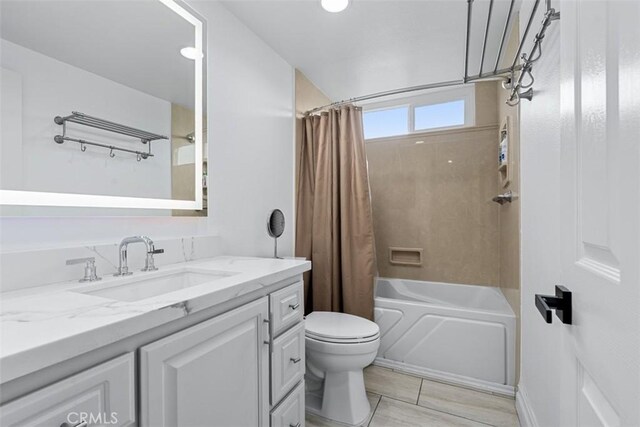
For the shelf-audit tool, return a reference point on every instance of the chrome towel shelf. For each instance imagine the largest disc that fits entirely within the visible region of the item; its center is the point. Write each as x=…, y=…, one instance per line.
x=95, y=122
x=513, y=82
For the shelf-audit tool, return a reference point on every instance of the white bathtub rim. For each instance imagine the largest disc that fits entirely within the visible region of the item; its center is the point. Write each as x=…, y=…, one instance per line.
x=506, y=309
x=448, y=378
x=456, y=309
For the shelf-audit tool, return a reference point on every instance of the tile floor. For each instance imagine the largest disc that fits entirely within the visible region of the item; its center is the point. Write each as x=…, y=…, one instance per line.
x=400, y=400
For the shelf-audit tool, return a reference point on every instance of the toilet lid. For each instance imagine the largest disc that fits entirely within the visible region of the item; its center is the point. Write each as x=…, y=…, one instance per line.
x=339, y=327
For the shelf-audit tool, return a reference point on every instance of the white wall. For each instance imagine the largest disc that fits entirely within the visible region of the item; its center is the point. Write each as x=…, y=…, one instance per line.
x=250, y=125
x=250, y=116
x=540, y=188
x=50, y=88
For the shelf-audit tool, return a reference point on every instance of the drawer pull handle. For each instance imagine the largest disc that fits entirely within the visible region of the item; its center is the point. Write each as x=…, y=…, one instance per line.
x=295, y=359
x=294, y=306
x=295, y=425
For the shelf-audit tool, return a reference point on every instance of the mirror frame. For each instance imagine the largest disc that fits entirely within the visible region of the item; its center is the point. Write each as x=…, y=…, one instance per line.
x=38, y=198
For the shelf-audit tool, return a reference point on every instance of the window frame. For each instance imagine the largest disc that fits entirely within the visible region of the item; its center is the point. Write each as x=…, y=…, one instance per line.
x=464, y=93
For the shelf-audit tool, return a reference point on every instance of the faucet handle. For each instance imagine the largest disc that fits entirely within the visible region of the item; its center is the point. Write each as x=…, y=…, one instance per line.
x=149, y=264
x=90, y=273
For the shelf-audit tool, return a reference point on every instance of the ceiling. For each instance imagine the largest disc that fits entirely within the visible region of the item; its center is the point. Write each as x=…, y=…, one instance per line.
x=135, y=43
x=375, y=45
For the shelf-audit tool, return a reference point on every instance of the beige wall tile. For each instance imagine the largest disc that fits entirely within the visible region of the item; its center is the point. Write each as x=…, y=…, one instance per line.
x=437, y=196
x=486, y=107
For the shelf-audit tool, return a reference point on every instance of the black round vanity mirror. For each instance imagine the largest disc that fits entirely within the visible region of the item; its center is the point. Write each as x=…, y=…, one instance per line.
x=275, y=228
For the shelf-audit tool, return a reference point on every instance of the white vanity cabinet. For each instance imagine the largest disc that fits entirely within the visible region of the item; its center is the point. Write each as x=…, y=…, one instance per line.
x=215, y=373
x=287, y=356
x=242, y=365
x=102, y=395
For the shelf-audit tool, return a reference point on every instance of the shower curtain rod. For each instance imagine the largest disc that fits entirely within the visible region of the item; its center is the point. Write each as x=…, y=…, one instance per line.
x=504, y=73
x=491, y=76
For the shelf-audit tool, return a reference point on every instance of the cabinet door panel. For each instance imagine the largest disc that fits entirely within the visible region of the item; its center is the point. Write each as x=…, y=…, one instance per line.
x=215, y=373
x=102, y=395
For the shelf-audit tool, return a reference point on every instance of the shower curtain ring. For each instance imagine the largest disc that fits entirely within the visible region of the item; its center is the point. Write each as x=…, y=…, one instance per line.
x=111, y=153
x=83, y=147
x=139, y=157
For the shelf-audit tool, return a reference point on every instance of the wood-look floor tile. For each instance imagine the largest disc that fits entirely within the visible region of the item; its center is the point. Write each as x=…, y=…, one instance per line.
x=393, y=413
x=475, y=405
x=316, y=421
x=388, y=383
x=312, y=420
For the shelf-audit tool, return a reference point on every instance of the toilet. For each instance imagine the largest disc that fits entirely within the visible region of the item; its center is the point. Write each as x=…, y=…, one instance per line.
x=338, y=347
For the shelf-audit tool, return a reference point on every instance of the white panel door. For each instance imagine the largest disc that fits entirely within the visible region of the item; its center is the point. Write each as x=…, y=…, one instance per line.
x=213, y=374
x=600, y=211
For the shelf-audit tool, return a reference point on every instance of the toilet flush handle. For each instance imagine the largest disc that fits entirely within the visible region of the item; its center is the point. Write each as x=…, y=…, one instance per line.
x=294, y=306
x=295, y=359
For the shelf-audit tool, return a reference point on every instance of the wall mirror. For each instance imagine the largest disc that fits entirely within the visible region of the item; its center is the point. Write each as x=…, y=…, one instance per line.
x=102, y=108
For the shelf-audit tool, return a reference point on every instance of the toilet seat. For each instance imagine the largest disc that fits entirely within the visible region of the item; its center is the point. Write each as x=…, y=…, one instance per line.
x=343, y=341
x=340, y=328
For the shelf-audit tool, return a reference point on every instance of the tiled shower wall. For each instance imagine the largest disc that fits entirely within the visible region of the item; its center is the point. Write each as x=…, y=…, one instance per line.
x=436, y=196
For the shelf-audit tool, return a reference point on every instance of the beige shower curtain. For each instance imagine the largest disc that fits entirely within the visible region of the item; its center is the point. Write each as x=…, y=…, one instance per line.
x=334, y=227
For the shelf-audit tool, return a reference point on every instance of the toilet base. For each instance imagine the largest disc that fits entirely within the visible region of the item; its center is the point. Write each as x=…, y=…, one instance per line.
x=344, y=398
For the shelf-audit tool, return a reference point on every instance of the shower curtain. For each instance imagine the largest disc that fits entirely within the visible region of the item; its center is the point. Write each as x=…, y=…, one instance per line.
x=334, y=225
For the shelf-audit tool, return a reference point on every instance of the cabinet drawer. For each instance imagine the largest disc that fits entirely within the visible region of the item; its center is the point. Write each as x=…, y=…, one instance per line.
x=290, y=412
x=102, y=395
x=287, y=362
x=287, y=308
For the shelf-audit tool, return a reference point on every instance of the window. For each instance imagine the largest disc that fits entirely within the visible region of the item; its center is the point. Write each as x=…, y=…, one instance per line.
x=430, y=112
x=387, y=122
x=436, y=116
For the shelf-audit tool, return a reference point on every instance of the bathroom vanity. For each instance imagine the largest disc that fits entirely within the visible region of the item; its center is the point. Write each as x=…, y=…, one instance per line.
x=217, y=341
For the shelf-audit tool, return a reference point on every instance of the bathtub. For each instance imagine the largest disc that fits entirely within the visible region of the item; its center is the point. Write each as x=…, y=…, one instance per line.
x=462, y=334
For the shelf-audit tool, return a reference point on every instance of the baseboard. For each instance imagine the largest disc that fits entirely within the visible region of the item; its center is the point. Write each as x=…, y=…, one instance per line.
x=458, y=380
x=523, y=408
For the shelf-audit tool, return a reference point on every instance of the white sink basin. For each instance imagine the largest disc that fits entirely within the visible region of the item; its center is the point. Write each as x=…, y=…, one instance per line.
x=139, y=288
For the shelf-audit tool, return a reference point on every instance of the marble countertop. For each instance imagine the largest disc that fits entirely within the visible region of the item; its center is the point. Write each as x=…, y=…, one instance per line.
x=45, y=325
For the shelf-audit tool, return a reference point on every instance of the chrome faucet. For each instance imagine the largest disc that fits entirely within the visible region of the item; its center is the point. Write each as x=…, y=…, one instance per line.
x=149, y=264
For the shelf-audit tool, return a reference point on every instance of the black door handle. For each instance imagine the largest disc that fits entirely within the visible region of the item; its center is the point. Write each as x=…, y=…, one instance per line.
x=561, y=303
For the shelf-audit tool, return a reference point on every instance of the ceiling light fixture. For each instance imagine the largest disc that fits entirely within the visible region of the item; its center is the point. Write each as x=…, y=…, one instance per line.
x=334, y=6
x=190, y=53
